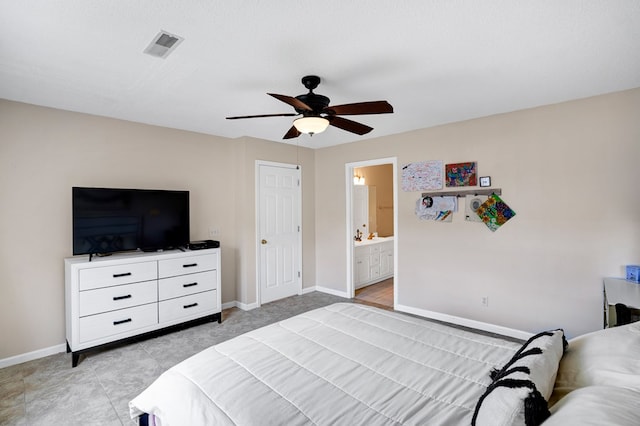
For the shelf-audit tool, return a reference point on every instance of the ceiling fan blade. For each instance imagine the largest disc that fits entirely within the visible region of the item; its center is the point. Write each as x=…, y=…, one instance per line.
x=292, y=133
x=288, y=114
x=349, y=125
x=374, y=107
x=296, y=103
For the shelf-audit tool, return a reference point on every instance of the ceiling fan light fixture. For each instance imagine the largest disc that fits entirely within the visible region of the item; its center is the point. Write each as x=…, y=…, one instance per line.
x=316, y=114
x=311, y=125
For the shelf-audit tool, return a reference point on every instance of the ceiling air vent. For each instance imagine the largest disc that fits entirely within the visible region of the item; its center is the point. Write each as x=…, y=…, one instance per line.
x=163, y=44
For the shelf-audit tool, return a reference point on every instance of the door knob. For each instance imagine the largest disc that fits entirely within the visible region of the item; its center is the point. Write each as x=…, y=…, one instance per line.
x=264, y=241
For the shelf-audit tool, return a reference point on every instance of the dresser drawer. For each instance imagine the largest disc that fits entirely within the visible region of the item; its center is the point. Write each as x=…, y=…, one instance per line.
x=187, y=306
x=187, y=265
x=169, y=288
x=117, y=297
x=116, y=275
x=116, y=322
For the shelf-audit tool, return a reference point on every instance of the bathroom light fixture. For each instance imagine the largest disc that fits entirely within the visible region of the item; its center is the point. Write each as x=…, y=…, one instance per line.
x=311, y=125
x=358, y=180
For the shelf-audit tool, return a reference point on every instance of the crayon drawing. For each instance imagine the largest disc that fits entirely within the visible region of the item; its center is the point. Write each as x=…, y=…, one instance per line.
x=422, y=175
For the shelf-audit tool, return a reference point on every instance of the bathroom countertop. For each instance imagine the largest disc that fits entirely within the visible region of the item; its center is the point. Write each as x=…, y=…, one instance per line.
x=375, y=240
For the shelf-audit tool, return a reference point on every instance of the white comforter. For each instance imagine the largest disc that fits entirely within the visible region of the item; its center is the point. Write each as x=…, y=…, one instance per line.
x=342, y=364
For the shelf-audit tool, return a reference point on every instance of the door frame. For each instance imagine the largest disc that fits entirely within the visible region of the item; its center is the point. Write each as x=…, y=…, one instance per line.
x=349, y=170
x=257, y=223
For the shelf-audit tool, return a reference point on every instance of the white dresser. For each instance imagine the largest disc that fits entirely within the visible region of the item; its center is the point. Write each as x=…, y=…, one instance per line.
x=122, y=296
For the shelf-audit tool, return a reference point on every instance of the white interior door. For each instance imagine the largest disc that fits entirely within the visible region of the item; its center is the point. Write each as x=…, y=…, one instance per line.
x=279, y=233
x=361, y=209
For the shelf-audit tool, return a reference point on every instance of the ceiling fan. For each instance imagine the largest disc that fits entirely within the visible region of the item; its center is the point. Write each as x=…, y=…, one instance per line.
x=317, y=114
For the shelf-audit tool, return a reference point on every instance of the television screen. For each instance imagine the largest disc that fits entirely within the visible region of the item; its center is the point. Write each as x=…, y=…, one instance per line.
x=107, y=220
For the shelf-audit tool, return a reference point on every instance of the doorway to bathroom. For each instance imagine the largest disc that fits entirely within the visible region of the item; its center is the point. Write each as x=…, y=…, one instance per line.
x=371, y=231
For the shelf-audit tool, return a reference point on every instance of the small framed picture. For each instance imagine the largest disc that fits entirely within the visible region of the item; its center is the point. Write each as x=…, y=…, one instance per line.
x=485, y=181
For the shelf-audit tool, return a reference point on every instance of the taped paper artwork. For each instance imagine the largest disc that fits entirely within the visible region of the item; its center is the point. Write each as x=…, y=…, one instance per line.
x=422, y=175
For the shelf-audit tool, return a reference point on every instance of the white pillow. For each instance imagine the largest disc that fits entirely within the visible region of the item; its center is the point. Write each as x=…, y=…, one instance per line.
x=510, y=402
x=520, y=389
x=540, y=355
x=597, y=406
x=543, y=367
x=609, y=357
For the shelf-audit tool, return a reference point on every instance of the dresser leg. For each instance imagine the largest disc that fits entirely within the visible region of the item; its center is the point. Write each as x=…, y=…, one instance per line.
x=75, y=357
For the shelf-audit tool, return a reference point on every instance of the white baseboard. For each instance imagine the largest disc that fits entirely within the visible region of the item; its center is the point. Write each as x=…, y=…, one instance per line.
x=491, y=328
x=308, y=290
x=41, y=353
x=228, y=305
x=30, y=356
x=240, y=305
x=465, y=322
x=333, y=292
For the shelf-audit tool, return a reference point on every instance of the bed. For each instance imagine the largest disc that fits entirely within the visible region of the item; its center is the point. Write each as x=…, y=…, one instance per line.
x=353, y=364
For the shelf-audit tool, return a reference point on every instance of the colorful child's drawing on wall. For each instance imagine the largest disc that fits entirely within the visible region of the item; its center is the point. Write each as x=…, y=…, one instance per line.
x=494, y=212
x=461, y=174
x=422, y=175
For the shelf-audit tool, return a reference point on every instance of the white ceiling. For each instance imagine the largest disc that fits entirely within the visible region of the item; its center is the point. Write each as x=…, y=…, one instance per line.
x=434, y=61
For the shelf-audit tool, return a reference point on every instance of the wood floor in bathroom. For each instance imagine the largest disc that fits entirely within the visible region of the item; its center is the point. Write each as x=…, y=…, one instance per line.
x=379, y=294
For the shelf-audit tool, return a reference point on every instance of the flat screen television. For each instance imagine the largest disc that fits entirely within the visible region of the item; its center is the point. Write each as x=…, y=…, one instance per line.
x=108, y=220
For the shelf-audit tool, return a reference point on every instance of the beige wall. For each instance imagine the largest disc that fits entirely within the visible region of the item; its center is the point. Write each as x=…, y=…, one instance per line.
x=570, y=171
x=44, y=152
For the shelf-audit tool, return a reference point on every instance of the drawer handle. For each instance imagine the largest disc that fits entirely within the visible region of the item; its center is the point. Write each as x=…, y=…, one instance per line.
x=193, y=305
x=189, y=285
x=128, y=296
x=125, y=274
x=189, y=265
x=122, y=321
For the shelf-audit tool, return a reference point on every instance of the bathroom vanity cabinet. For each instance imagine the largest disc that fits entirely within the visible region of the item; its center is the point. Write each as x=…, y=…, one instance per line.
x=373, y=261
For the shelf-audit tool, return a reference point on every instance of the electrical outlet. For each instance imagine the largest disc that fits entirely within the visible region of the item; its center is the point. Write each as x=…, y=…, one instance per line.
x=485, y=301
x=214, y=232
